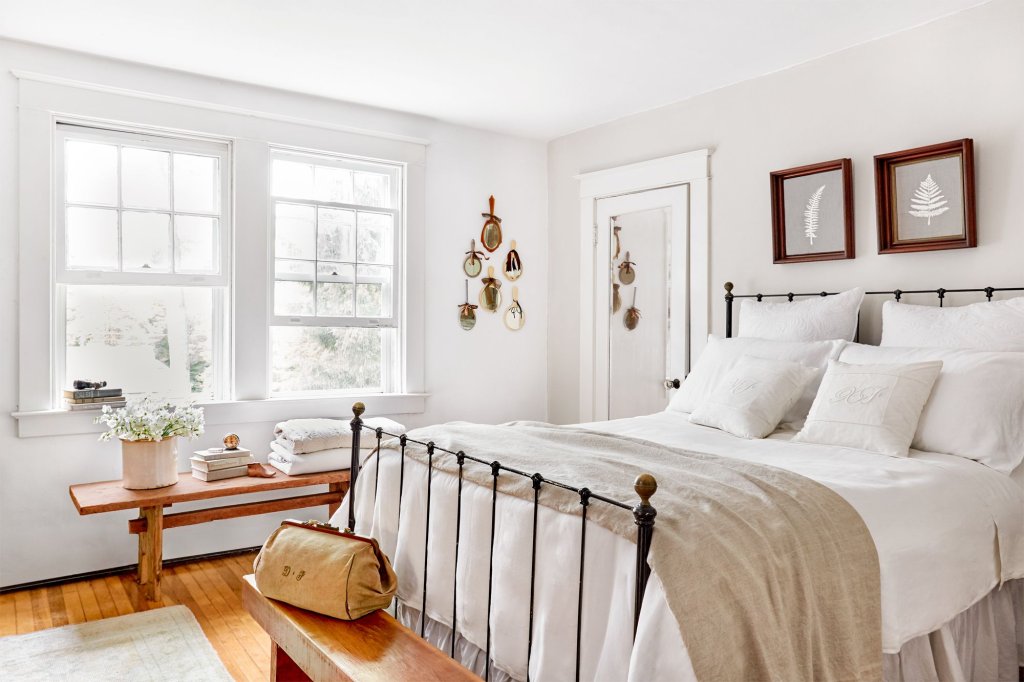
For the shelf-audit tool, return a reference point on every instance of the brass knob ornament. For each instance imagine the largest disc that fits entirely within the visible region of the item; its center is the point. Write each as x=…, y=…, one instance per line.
x=231, y=441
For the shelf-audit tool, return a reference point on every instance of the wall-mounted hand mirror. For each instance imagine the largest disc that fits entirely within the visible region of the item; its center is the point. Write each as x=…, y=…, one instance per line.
x=490, y=235
x=515, y=318
x=632, y=317
x=513, y=264
x=473, y=263
x=626, y=272
x=467, y=312
x=490, y=293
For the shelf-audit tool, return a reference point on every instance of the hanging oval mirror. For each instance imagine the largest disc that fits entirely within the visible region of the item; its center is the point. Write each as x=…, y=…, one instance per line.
x=490, y=234
x=627, y=274
x=473, y=263
x=467, y=312
x=632, y=317
x=515, y=318
x=490, y=293
x=513, y=264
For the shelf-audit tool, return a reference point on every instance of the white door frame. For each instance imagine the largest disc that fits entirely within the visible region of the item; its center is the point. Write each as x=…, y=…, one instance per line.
x=690, y=169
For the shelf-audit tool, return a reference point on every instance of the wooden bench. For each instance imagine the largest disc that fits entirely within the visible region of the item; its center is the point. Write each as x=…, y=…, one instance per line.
x=309, y=646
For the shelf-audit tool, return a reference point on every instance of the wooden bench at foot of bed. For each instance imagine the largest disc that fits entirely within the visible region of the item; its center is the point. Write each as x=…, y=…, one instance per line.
x=307, y=645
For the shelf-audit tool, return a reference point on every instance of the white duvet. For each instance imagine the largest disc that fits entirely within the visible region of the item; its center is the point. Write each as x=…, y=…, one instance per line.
x=947, y=531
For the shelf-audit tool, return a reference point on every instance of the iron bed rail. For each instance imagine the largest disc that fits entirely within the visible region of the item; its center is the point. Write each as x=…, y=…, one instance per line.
x=643, y=515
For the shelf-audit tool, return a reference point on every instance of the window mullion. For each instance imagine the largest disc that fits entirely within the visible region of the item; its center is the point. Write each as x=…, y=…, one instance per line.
x=120, y=211
x=170, y=180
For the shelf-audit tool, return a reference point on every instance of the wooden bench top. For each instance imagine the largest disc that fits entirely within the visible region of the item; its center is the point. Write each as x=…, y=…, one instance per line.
x=105, y=496
x=375, y=647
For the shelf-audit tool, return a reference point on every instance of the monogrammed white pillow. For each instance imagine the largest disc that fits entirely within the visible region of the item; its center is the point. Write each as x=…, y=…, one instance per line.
x=720, y=355
x=812, y=319
x=995, y=326
x=870, y=407
x=753, y=396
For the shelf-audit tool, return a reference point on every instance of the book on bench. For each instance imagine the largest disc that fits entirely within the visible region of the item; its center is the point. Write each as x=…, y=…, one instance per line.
x=221, y=474
x=200, y=464
x=210, y=456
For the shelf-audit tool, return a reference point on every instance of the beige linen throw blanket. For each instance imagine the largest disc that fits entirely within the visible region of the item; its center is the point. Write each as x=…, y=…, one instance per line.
x=770, y=575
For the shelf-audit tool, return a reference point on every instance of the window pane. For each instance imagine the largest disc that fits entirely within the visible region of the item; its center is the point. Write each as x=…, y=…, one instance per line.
x=91, y=238
x=293, y=298
x=196, y=183
x=375, y=245
x=142, y=339
x=292, y=179
x=145, y=178
x=327, y=358
x=372, y=189
x=195, y=244
x=334, y=184
x=90, y=173
x=296, y=270
x=146, y=242
x=373, y=291
x=336, y=235
x=294, y=232
x=335, y=290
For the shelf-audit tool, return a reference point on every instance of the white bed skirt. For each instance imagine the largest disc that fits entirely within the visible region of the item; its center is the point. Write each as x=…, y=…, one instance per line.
x=985, y=643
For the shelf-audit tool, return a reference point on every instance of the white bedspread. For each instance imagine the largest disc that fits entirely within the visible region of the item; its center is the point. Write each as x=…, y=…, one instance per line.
x=934, y=519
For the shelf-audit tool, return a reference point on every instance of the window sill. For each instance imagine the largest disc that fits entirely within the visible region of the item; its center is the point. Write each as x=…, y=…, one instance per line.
x=66, y=422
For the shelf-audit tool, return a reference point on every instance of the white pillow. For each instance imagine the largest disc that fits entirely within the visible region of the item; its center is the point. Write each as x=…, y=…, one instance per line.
x=811, y=319
x=870, y=407
x=752, y=398
x=996, y=325
x=976, y=409
x=720, y=355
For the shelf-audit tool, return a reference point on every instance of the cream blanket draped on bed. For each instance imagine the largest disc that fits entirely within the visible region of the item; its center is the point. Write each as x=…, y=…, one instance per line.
x=753, y=559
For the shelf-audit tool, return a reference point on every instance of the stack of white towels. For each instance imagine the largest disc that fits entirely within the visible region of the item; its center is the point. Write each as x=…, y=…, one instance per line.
x=310, y=446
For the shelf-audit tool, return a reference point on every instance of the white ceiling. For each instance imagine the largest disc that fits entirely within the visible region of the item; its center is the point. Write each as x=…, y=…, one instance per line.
x=539, y=68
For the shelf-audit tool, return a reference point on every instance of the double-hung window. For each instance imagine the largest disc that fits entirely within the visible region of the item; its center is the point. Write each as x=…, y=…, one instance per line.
x=142, y=261
x=335, y=312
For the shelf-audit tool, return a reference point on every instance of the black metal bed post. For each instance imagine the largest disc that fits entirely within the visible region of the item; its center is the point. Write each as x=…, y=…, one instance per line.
x=728, y=310
x=645, y=486
x=357, y=429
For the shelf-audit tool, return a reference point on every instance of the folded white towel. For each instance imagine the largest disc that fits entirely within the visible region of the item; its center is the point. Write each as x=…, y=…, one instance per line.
x=314, y=463
x=302, y=436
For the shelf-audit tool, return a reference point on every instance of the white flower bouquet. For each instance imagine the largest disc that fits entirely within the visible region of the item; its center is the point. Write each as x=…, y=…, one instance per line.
x=145, y=420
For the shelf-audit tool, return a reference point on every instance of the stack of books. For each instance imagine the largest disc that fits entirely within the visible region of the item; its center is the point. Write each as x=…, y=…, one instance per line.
x=216, y=465
x=93, y=398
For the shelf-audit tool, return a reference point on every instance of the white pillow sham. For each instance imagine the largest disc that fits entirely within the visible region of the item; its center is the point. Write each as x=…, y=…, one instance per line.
x=720, y=355
x=811, y=319
x=993, y=326
x=753, y=396
x=976, y=409
x=870, y=407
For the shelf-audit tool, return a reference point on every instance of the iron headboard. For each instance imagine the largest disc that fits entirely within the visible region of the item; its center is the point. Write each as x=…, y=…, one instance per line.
x=896, y=293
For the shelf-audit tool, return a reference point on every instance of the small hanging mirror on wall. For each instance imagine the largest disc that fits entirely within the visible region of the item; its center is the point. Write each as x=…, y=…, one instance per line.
x=467, y=312
x=632, y=317
x=626, y=272
x=490, y=293
x=490, y=234
x=515, y=318
x=513, y=264
x=473, y=263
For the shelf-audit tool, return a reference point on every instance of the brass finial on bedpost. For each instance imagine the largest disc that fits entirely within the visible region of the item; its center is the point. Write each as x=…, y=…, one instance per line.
x=645, y=486
x=728, y=288
x=358, y=409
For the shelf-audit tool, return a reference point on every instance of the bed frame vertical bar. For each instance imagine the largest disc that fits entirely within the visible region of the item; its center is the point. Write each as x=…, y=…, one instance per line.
x=645, y=486
x=537, y=480
x=426, y=537
x=376, y=482
x=461, y=459
x=495, y=471
x=357, y=429
x=728, y=310
x=584, y=502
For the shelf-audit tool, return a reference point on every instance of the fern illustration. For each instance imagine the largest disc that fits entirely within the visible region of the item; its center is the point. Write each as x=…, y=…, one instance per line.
x=811, y=215
x=928, y=200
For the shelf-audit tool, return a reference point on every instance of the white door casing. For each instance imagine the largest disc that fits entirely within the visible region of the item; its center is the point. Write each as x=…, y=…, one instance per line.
x=689, y=169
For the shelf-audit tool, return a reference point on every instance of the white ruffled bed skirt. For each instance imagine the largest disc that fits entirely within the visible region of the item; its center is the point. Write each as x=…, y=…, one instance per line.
x=985, y=643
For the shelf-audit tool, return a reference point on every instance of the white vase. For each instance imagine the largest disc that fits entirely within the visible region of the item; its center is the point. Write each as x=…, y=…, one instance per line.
x=147, y=464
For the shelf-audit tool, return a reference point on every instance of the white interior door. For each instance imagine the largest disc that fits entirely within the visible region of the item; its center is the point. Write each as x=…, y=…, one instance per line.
x=637, y=356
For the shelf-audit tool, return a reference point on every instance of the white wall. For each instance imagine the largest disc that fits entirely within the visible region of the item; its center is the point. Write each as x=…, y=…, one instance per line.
x=958, y=77
x=487, y=375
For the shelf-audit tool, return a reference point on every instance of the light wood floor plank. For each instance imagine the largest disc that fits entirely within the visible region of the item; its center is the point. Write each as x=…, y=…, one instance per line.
x=89, y=603
x=23, y=610
x=72, y=603
x=118, y=596
x=8, y=615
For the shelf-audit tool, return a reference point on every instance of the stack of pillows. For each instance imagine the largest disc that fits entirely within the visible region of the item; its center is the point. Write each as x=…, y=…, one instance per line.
x=311, y=446
x=947, y=380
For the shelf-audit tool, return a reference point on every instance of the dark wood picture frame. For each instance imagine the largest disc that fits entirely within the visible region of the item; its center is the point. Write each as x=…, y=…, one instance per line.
x=778, y=180
x=885, y=197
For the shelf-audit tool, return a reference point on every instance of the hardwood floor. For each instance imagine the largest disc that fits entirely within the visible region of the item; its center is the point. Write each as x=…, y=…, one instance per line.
x=211, y=589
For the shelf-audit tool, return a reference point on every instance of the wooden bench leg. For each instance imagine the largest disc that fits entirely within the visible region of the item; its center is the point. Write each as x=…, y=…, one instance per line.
x=151, y=553
x=283, y=668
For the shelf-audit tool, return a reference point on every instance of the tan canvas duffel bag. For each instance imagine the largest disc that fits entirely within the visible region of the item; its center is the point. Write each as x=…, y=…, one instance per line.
x=317, y=567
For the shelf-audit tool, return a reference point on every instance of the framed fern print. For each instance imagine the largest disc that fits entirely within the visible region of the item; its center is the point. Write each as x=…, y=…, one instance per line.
x=925, y=198
x=812, y=212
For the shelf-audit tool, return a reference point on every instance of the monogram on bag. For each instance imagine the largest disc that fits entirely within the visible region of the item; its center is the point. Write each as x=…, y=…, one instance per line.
x=317, y=567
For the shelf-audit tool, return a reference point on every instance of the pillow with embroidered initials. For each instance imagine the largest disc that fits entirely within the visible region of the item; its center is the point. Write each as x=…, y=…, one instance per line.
x=870, y=407
x=752, y=398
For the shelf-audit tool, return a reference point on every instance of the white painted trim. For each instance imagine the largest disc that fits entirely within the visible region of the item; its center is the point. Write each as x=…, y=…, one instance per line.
x=65, y=422
x=690, y=168
x=210, y=106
